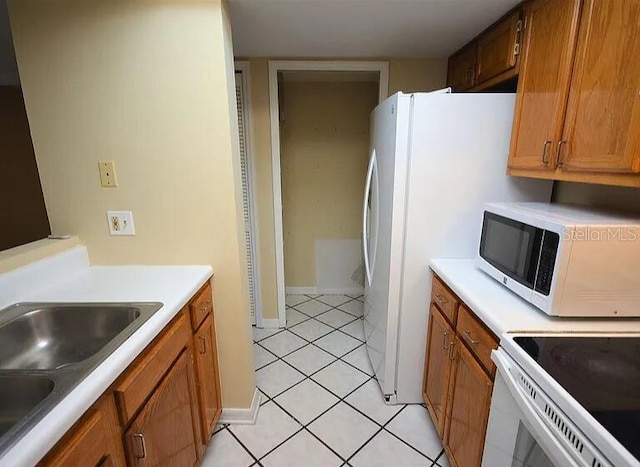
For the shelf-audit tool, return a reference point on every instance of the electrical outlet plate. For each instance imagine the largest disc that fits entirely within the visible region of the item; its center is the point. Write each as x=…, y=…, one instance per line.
x=120, y=223
x=107, y=173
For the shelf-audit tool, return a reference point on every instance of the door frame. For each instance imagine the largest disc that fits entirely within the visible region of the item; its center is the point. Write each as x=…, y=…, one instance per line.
x=275, y=66
x=243, y=67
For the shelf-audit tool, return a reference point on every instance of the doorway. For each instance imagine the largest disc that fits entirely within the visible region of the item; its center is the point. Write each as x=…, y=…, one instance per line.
x=319, y=136
x=248, y=197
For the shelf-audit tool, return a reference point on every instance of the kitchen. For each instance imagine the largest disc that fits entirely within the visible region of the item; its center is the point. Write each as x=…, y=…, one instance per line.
x=103, y=82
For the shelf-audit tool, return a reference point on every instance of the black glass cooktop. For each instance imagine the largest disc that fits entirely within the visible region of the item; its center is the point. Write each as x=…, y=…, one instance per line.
x=601, y=373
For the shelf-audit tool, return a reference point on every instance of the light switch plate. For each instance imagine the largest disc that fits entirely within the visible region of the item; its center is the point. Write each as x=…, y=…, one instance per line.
x=120, y=223
x=107, y=173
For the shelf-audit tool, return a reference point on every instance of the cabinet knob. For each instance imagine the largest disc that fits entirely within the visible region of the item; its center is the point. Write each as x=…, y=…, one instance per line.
x=143, y=448
x=441, y=299
x=205, y=307
x=203, y=344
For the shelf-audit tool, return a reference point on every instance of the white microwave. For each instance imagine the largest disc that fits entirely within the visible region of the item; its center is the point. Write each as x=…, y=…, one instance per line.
x=565, y=260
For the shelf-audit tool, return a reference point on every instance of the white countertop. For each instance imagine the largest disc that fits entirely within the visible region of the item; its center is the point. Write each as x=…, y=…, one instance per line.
x=171, y=285
x=503, y=311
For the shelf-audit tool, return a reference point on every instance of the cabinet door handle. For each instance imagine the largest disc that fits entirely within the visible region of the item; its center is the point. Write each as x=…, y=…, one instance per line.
x=205, y=307
x=203, y=344
x=452, y=354
x=444, y=340
x=141, y=444
x=545, y=152
x=473, y=342
x=559, y=153
x=441, y=299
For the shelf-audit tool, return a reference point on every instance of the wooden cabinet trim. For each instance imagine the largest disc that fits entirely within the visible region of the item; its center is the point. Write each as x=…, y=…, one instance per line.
x=135, y=387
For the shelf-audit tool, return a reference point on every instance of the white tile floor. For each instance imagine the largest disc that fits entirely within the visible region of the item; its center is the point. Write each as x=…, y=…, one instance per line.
x=321, y=405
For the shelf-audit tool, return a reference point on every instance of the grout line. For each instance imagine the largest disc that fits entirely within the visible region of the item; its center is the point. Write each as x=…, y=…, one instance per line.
x=243, y=446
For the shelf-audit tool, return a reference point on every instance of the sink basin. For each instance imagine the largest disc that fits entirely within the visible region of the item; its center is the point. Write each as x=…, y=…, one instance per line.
x=56, y=336
x=48, y=349
x=19, y=395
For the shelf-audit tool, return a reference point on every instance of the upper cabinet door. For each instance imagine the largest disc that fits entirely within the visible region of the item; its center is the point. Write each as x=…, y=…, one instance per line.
x=550, y=35
x=497, y=49
x=602, y=127
x=462, y=68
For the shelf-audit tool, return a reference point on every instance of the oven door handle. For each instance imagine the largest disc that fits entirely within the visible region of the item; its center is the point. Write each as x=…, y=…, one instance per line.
x=544, y=436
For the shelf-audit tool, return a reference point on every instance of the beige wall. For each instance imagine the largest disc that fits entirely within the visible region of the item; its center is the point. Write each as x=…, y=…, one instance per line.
x=148, y=84
x=324, y=155
x=406, y=75
x=612, y=197
x=416, y=74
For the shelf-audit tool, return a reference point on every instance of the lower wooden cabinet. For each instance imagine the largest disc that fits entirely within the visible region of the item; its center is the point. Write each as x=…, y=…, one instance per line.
x=163, y=432
x=162, y=410
x=468, y=409
x=208, y=385
x=458, y=378
x=94, y=441
x=440, y=342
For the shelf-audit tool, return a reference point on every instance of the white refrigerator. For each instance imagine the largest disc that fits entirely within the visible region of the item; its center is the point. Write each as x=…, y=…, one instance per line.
x=435, y=159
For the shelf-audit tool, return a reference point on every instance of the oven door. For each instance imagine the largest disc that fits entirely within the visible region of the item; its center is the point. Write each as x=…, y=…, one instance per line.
x=516, y=436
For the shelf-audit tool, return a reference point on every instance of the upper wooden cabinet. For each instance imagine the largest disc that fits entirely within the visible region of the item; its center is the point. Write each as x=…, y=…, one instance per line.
x=543, y=85
x=499, y=47
x=578, y=104
x=461, y=74
x=602, y=127
x=491, y=58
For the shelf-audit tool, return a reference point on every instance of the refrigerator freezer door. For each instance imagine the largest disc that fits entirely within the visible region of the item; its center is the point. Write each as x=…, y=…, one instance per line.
x=384, y=225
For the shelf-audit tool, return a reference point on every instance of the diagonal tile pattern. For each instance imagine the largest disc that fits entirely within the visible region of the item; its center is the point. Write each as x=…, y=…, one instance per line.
x=322, y=405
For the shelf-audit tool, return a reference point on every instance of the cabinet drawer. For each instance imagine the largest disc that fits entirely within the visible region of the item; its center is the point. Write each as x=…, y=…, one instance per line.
x=480, y=340
x=201, y=306
x=145, y=373
x=444, y=299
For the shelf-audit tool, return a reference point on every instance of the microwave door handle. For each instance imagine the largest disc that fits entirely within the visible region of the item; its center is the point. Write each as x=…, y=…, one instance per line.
x=365, y=216
x=552, y=446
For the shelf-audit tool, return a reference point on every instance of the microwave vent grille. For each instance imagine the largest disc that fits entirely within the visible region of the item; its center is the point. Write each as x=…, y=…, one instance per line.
x=587, y=454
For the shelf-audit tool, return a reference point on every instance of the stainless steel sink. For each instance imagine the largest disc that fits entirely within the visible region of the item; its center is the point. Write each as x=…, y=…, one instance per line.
x=52, y=337
x=47, y=349
x=25, y=393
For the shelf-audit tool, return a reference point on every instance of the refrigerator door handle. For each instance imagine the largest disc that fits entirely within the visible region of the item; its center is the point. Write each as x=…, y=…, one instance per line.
x=365, y=215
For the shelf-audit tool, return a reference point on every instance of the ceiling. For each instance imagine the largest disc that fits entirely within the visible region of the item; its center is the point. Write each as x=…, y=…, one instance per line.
x=359, y=28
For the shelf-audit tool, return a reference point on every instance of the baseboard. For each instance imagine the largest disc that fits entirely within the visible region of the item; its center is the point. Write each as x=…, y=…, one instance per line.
x=324, y=290
x=242, y=416
x=271, y=323
x=301, y=290
x=340, y=290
